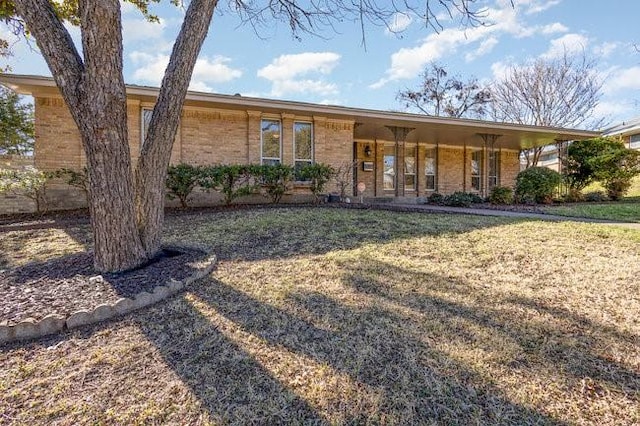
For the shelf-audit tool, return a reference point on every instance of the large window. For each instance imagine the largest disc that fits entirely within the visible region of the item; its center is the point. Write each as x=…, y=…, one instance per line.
x=271, y=146
x=145, y=116
x=410, y=168
x=303, y=144
x=476, y=170
x=634, y=141
x=430, y=165
x=389, y=177
x=493, y=175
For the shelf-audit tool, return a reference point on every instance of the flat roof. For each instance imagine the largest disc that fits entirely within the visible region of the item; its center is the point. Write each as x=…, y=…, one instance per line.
x=371, y=124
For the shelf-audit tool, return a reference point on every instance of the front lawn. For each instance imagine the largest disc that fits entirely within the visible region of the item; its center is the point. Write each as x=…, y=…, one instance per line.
x=625, y=211
x=332, y=316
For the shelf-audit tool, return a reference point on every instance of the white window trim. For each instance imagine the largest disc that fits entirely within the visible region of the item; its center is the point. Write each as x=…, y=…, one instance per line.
x=313, y=145
x=395, y=167
x=143, y=134
x=480, y=170
x=435, y=168
x=262, y=157
x=415, y=168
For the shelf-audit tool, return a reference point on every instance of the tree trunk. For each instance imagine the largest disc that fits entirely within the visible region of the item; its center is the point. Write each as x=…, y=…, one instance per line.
x=95, y=94
x=151, y=171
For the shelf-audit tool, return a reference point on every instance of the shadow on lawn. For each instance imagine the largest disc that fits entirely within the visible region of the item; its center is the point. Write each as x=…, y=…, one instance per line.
x=554, y=339
x=393, y=376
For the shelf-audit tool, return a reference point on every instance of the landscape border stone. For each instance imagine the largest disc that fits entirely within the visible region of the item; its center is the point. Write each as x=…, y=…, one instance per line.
x=30, y=328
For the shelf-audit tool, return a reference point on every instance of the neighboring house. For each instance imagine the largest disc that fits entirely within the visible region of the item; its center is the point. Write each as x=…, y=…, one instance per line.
x=399, y=155
x=627, y=131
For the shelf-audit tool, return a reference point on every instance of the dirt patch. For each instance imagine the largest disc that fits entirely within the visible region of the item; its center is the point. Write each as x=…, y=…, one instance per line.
x=67, y=284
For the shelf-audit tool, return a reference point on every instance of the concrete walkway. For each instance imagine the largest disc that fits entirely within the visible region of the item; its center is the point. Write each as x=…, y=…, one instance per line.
x=504, y=213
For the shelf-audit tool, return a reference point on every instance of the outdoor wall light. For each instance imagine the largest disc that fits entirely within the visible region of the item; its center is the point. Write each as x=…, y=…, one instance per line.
x=367, y=151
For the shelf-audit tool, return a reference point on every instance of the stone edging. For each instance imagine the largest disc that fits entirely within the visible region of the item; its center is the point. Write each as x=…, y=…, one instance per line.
x=54, y=323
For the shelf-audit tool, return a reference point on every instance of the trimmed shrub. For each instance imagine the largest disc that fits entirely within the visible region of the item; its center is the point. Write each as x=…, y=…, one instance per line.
x=275, y=180
x=461, y=199
x=318, y=175
x=436, y=198
x=536, y=185
x=595, y=197
x=573, y=196
x=234, y=181
x=181, y=181
x=501, y=195
x=617, y=187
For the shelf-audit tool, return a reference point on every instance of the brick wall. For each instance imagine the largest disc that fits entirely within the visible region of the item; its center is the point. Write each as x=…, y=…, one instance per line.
x=15, y=203
x=509, y=167
x=450, y=170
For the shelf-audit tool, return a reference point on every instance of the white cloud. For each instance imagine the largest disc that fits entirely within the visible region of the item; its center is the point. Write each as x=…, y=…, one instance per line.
x=556, y=27
x=485, y=47
x=500, y=70
x=286, y=71
x=569, y=43
x=399, y=22
x=535, y=6
x=605, y=49
x=150, y=69
x=622, y=79
x=614, y=109
x=141, y=29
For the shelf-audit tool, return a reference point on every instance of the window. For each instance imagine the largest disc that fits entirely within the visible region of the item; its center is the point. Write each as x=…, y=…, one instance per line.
x=430, y=165
x=494, y=168
x=410, y=168
x=270, y=142
x=634, y=141
x=389, y=176
x=476, y=170
x=303, y=144
x=145, y=116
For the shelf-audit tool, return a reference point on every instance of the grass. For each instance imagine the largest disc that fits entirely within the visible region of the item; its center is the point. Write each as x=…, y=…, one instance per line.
x=625, y=211
x=328, y=316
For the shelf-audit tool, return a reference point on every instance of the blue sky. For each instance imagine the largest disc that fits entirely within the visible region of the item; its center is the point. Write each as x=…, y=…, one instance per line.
x=337, y=69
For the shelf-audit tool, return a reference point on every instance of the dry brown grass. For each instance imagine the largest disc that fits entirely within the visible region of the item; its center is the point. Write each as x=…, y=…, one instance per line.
x=354, y=317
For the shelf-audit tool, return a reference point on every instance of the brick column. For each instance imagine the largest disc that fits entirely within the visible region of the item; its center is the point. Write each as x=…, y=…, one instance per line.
x=253, y=136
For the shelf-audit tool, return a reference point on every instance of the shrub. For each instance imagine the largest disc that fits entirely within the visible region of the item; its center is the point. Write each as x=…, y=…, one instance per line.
x=28, y=182
x=436, y=198
x=77, y=179
x=181, y=180
x=233, y=181
x=616, y=188
x=461, y=199
x=573, y=196
x=536, y=185
x=275, y=180
x=595, y=196
x=343, y=177
x=501, y=195
x=318, y=175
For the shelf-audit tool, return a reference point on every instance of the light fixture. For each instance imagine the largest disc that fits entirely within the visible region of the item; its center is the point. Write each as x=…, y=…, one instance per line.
x=367, y=151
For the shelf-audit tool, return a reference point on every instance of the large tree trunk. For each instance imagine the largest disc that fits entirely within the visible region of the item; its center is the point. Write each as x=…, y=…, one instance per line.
x=94, y=91
x=151, y=170
x=126, y=223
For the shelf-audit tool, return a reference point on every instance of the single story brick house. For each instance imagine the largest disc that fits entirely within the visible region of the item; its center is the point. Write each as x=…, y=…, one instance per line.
x=399, y=155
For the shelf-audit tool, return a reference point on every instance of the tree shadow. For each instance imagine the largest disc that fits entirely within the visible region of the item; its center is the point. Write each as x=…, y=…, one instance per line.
x=564, y=343
x=417, y=384
x=229, y=383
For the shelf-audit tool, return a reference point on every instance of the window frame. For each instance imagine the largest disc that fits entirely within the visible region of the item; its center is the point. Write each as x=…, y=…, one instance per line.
x=493, y=168
x=415, y=171
x=297, y=160
x=269, y=160
x=395, y=167
x=431, y=176
x=476, y=179
x=143, y=124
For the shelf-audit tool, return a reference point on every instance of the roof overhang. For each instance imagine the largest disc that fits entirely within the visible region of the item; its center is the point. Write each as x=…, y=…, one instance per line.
x=369, y=124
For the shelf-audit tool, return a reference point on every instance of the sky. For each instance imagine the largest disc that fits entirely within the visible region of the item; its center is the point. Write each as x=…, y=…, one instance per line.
x=335, y=68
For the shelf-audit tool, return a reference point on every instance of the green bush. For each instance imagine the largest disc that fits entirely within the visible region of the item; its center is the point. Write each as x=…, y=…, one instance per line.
x=461, y=199
x=573, y=196
x=28, y=182
x=275, y=180
x=617, y=187
x=181, y=181
x=501, y=195
x=318, y=175
x=536, y=185
x=233, y=181
x=595, y=197
x=436, y=198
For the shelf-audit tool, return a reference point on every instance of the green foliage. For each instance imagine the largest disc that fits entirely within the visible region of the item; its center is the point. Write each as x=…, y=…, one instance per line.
x=16, y=124
x=436, y=198
x=181, y=181
x=234, y=181
x=501, y=195
x=275, y=179
x=28, y=182
x=573, y=196
x=595, y=197
x=582, y=163
x=318, y=175
x=536, y=185
x=461, y=199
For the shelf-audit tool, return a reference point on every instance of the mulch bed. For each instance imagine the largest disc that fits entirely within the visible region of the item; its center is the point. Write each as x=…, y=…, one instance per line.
x=62, y=286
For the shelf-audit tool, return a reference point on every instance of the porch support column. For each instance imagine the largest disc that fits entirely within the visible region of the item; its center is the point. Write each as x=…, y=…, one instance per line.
x=562, y=147
x=489, y=146
x=400, y=136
